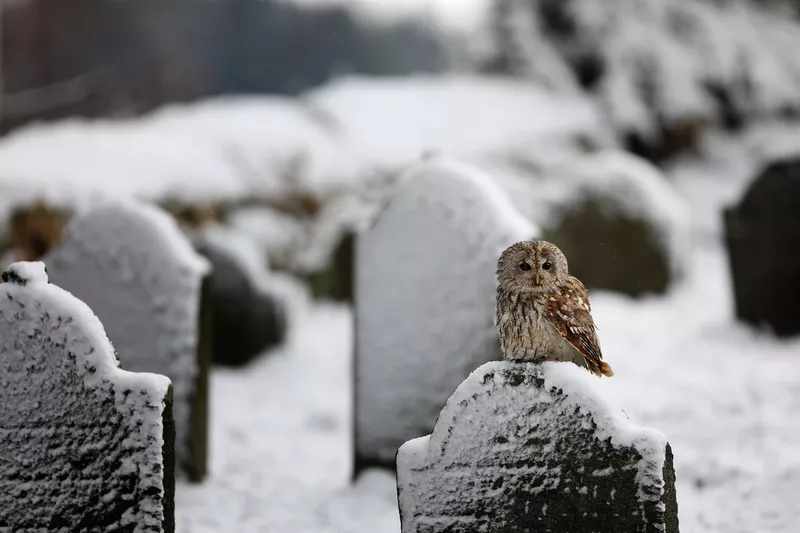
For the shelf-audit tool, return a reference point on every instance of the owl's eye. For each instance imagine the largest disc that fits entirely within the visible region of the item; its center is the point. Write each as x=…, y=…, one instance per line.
x=524, y=266
x=546, y=265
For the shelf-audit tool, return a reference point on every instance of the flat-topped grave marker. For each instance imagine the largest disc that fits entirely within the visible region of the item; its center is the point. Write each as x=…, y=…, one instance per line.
x=526, y=447
x=131, y=264
x=84, y=445
x=424, y=301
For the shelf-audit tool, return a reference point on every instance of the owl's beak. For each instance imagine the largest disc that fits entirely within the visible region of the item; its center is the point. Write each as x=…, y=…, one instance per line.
x=537, y=277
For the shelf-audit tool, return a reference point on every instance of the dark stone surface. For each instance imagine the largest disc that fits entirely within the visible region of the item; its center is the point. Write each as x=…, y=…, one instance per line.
x=195, y=463
x=763, y=235
x=246, y=321
x=523, y=447
x=84, y=446
x=168, y=452
x=610, y=250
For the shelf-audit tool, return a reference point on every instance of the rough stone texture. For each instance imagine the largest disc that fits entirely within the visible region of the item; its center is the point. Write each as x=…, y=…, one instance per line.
x=524, y=447
x=130, y=263
x=762, y=234
x=84, y=445
x=246, y=321
x=424, y=306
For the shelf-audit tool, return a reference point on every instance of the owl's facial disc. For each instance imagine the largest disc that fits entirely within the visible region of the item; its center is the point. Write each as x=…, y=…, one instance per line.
x=531, y=266
x=525, y=269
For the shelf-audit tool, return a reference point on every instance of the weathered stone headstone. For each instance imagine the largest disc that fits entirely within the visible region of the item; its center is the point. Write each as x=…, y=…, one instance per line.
x=763, y=234
x=619, y=223
x=424, y=301
x=248, y=318
x=129, y=262
x=84, y=445
x=525, y=447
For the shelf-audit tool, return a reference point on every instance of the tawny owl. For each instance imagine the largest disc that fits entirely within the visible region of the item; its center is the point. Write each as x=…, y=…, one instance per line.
x=542, y=312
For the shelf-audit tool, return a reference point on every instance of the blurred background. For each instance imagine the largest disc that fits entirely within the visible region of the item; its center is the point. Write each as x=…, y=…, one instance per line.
x=628, y=131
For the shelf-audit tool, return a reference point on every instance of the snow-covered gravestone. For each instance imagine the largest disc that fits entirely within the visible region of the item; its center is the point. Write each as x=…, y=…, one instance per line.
x=524, y=447
x=424, y=301
x=131, y=264
x=622, y=226
x=84, y=445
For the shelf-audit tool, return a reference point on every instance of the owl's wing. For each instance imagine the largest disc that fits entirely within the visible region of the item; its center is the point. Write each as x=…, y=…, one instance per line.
x=571, y=315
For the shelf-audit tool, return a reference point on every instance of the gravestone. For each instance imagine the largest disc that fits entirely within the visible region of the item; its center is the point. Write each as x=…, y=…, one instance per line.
x=248, y=317
x=129, y=262
x=619, y=222
x=526, y=447
x=424, y=301
x=84, y=445
x=763, y=234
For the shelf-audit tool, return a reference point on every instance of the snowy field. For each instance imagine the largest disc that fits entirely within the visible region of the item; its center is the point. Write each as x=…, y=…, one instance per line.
x=727, y=396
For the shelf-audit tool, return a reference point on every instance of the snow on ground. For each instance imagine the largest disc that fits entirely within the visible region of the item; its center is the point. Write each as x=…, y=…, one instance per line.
x=726, y=395
x=389, y=122
x=334, y=138
x=335, y=152
x=280, y=441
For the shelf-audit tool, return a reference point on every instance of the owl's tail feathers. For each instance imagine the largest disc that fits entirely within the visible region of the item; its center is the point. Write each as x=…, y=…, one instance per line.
x=605, y=369
x=600, y=368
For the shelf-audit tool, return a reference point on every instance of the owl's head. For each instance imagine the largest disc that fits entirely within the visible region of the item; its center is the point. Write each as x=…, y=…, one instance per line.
x=532, y=266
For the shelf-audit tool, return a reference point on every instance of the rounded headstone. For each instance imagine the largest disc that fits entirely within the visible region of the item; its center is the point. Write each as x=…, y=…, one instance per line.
x=424, y=301
x=247, y=318
x=619, y=223
x=526, y=447
x=132, y=265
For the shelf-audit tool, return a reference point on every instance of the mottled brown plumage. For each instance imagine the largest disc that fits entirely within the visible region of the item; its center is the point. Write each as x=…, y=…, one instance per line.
x=543, y=313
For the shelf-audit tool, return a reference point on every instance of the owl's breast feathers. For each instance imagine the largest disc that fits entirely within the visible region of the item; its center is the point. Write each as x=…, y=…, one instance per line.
x=570, y=313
